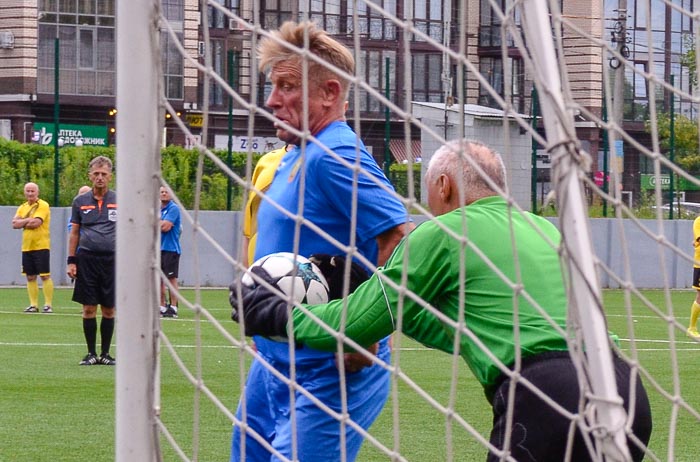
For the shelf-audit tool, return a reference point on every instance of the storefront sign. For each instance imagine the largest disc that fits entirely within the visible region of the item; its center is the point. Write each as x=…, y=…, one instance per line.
x=194, y=120
x=245, y=144
x=648, y=181
x=70, y=134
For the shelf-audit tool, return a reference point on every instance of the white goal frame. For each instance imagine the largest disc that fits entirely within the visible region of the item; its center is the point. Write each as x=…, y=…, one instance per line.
x=138, y=230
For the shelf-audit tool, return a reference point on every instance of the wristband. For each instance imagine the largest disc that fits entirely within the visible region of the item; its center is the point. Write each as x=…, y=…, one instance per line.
x=72, y=260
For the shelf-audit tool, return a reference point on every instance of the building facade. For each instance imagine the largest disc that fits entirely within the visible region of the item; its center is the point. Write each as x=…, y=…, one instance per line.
x=58, y=61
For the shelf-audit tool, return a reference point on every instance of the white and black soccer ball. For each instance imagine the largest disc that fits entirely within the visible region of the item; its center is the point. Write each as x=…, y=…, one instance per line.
x=305, y=283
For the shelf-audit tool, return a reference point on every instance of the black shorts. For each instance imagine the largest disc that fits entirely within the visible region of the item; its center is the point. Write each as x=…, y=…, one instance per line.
x=539, y=432
x=170, y=263
x=696, y=278
x=94, y=282
x=36, y=262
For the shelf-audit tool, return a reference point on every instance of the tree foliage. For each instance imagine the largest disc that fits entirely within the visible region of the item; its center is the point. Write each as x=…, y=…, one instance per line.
x=688, y=59
x=398, y=174
x=685, y=140
x=21, y=163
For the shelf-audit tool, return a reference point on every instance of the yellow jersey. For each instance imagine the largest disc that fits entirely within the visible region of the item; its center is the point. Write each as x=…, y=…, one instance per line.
x=263, y=175
x=37, y=238
x=696, y=242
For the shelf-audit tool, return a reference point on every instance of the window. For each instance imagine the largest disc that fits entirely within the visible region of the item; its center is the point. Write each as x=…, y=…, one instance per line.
x=218, y=57
x=506, y=74
x=427, y=77
x=235, y=7
x=490, y=25
x=326, y=14
x=370, y=23
x=372, y=68
x=172, y=66
x=217, y=20
x=490, y=31
x=667, y=38
x=173, y=10
x=491, y=67
x=85, y=32
x=87, y=47
x=428, y=18
x=275, y=12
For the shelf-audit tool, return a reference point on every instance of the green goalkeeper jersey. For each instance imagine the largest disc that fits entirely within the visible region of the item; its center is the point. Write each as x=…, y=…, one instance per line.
x=495, y=268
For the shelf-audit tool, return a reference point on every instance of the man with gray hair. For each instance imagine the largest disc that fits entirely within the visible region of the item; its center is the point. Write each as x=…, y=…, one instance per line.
x=472, y=264
x=34, y=219
x=94, y=232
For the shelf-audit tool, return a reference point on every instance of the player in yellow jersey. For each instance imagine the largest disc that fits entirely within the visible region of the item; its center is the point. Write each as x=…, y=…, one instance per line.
x=34, y=218
x=695, y=309
x=262, y=178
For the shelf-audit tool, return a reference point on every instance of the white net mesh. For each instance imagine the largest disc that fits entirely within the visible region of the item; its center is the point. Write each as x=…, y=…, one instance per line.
x=447, y=90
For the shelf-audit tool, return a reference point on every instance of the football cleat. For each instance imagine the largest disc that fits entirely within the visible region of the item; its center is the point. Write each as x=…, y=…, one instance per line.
x=169, y=312
x=90, y=359
x=106, y=359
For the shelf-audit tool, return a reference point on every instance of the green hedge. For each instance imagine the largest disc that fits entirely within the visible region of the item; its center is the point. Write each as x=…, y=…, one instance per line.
x=398, y=174
x=21, y=163
x=179, y=168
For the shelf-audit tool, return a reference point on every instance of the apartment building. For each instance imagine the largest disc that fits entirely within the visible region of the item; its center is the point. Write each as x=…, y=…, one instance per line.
x=58, y=61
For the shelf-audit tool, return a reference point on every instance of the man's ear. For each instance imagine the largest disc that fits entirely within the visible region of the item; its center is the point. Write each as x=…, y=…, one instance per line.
x=332, y=91
x=445, y=188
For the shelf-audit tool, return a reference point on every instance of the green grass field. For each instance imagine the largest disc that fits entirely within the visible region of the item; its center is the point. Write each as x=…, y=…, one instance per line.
x=54, y=410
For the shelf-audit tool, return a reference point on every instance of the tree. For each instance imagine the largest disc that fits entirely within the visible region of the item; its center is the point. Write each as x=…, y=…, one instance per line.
x=685, y=142
x=688, y=59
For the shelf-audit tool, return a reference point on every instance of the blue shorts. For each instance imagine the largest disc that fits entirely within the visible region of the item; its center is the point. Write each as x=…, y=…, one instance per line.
x=267, y=408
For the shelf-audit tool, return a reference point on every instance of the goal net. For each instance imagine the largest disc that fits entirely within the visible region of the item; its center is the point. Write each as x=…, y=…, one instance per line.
x=597, y=124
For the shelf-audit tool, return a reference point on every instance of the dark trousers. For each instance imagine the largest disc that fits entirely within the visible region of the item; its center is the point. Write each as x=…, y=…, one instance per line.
x=540, y=433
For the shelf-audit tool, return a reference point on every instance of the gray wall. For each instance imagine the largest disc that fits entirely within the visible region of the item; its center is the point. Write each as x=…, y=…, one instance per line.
x=214, y=269
x=648, y=259
x=644, y=253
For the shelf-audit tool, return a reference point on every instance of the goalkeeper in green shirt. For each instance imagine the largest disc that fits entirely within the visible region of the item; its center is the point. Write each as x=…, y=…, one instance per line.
x=487, y=271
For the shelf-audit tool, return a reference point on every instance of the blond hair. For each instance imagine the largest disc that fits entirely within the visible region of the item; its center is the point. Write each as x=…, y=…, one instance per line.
x=275, y=49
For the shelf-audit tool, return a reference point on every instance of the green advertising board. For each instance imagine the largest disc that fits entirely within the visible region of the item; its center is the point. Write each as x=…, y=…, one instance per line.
x=89, y=135
x=648, y=181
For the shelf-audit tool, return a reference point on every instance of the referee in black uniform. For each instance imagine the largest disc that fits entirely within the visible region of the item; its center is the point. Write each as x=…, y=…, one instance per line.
x=93, y=230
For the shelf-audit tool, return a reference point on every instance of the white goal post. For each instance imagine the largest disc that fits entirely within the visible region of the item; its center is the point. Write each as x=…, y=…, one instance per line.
x=138, y=232
x=585, y=297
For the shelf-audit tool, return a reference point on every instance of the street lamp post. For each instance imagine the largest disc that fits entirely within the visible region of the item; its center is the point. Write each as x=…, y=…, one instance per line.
x=387, y=121
x=232, y=65
x=671, y=155
x=56, y=161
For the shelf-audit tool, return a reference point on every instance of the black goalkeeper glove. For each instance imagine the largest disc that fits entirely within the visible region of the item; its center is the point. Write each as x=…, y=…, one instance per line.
x=264, y=312
x=333, y=269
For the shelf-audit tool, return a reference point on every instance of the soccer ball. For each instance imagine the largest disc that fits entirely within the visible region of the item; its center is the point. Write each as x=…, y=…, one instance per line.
x=305, y=283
